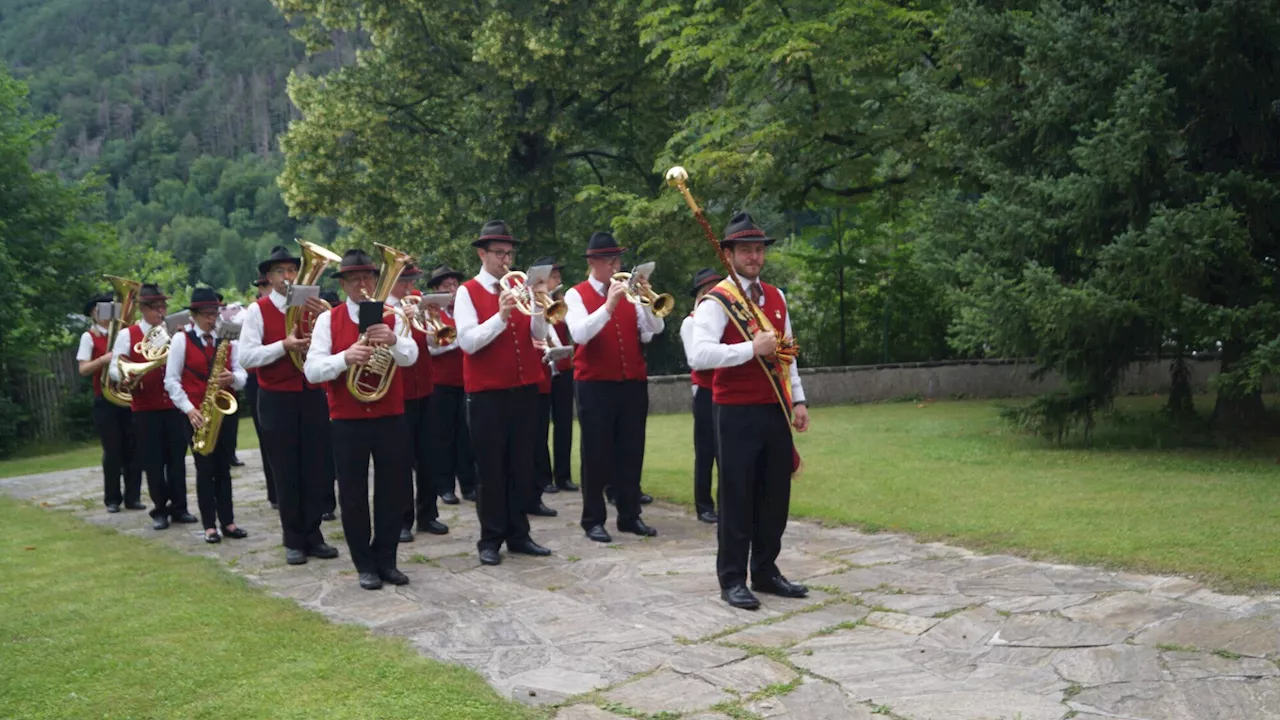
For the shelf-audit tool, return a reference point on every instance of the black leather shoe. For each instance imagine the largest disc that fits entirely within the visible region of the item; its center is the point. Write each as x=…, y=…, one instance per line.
x=275, y=506
x=449, y=499
x=469, y=495
x=238, y=533
x=370, y=581
x=113, y=507
x=160, y=523
x=293, y=556
x=214, y=538
x=638, y=527
x=186, y=518
x=323, y=551
x=528, y=547
x=490, y=557
x=740, y=597
x=542, y=511
x=393, y=576
x=328, y=517
x=780, y=586
x=406, y=534
x=645, y=499
x=236, y=462
x=435, y=527
x=550, y=488
x=135, y=505
x=567, y=485
x=709, y=516
x=599, y=534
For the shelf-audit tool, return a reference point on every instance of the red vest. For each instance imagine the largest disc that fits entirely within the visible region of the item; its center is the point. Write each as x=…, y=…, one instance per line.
x=195, y=369
x=281, y=375
x=99, y=349
x=448, y=366
x=419, y=379
x=748, y=383
x=510, y=360
x=614, y=353
x=566, y=363
x=343, y=333
x=149, y=393
x=702, y=378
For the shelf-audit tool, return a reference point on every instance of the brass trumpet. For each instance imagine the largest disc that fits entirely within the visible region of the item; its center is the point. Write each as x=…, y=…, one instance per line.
x=529, y=302
x=425, y=318
x=662, y=305
x=315, y=258
x=126, y=292
x=371, y=381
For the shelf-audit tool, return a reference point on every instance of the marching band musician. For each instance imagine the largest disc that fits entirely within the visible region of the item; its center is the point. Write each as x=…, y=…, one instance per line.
x=755, y=448
x=612, y=387
x=186, y=379
x=501, y=369
x=418, y=382
x=330, y=503
x=560, y=408
x=292, y=412
x=161, y=429
x=113, y=423
x=251, y=397
x=451, y=455
x=362, y=430
x=704, y=434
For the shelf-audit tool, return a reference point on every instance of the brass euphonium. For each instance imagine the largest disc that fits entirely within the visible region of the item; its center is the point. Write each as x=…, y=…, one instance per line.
x=371, y=381
x=662, y=305
x=217, y=404
x=425, y=318
x=126, y=292
x=315, y=258
x=154, y=349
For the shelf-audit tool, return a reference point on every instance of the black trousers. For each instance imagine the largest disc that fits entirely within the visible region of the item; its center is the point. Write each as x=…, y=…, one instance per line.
x=417, y=415
x=451, y=456
x=704, y=450
x=119, y=452
x=386, y=440
x=213, y=477
x=503, y=426
x=542, y=476
x=231, y=425
x=612, y=416
x=295, y=434
x=562, y=418
x=251, y=397
x=162, y=440
x=755, y=489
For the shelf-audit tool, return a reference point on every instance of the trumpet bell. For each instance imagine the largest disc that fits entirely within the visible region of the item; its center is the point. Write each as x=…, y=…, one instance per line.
x=555, y=311
x=662, y=304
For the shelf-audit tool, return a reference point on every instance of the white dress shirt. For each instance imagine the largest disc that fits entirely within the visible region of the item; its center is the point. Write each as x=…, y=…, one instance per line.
x=123, y=347
x=253, y=353
x=173, y=370
x=85, y=351
x=708, y=353
x=435, y=349
x=322, y=365
x=686, y=339
x=583, y=327
x=474, y=335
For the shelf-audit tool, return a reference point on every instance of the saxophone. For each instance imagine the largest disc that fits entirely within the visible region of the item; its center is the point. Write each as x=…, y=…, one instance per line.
x=216, y=404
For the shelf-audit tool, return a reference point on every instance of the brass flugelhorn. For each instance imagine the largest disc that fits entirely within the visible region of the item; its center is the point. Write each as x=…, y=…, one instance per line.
x=425, y=318
x=315, y=258
x=530, y=302
x=638, y=294
x=371, y=381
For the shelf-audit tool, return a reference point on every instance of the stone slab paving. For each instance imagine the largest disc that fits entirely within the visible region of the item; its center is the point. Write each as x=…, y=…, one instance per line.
x=894, y=628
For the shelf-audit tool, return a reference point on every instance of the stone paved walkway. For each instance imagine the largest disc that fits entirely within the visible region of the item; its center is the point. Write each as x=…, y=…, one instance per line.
x=894, y=628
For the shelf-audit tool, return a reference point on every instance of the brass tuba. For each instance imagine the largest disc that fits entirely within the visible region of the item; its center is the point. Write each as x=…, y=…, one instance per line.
x=662, y=305
x=371, y=381
x=217, y=404
x=315, y=258
x=126, y=292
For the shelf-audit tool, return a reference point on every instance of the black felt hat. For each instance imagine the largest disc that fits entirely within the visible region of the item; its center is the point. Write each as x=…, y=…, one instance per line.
x=742, y=229
x=411, y=272
x=279, y=254
x=442, y=273
x=203, y=297
x=705, y=276
x=262, y=281
x=90, y=306
x=547, y=260
x=330, y=297
x=494, y=230
x=355, y=260
x=149, y=293
x=602, y=244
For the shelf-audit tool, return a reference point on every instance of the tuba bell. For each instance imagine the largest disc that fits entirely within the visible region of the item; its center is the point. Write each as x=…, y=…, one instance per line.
x=315, y=258
x=371, y=381
x=126, y=292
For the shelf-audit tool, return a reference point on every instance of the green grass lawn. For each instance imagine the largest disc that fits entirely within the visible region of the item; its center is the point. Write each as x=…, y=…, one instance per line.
x=98, y=624
x=954, y=471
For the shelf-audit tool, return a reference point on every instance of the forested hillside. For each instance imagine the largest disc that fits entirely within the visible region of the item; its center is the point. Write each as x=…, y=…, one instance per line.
x=178, y=104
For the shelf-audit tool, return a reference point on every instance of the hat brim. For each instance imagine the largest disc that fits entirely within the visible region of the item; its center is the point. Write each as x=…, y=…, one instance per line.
x=436, y=280
x=206, y=305
x=152, y=299
x=483, y=242
x=607, y=252
x=339, y=274
x=265, y=265
x=713, y=280
x=764, y=240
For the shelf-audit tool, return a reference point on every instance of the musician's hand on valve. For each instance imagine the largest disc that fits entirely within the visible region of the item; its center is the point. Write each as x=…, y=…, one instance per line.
x=357, y=354
x=617, y=289
x=295, y=342
x=316, y=306
x=380, y=334
x=226, y=379
x=105, y=359
x=764, y=344
x=506, y=301
x=196, y=418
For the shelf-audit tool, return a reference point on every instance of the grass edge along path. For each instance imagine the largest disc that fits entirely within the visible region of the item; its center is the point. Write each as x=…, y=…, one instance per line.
x=98, y=624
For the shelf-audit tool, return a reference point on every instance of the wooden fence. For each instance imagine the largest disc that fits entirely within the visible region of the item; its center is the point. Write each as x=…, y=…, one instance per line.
x=43, y=391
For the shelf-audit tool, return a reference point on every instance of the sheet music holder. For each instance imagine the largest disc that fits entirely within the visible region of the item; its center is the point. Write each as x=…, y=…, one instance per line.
x=298, y=294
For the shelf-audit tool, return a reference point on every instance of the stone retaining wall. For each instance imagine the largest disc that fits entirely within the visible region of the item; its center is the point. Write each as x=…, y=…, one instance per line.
x=956, y=379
